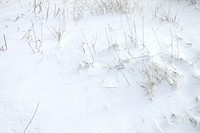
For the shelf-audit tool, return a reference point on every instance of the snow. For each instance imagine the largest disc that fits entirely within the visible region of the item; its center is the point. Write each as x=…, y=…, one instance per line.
x=110, y=73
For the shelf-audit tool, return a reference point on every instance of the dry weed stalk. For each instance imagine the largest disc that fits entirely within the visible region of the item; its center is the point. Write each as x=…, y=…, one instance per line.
x=20, y=4
x=29, y=123
x=5, y=44
x=31, y=38
x=90, y=46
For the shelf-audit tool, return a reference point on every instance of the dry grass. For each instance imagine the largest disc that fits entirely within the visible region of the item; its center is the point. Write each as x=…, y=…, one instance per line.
x=155, y=74
x=163, y=14
x=101, y=7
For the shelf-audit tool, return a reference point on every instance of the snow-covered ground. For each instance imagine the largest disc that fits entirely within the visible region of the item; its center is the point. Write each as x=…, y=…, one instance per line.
x=74, y=66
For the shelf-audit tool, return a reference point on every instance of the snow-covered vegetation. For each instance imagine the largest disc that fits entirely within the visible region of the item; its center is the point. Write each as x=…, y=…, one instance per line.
x=99, y=66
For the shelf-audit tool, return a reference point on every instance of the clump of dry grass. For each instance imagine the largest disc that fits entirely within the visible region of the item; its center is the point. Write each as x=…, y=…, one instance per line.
x=101, y=7
x=195, y=122
x=78, y=10
x=164, y=14
x=194, y=2
x=155, y=74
